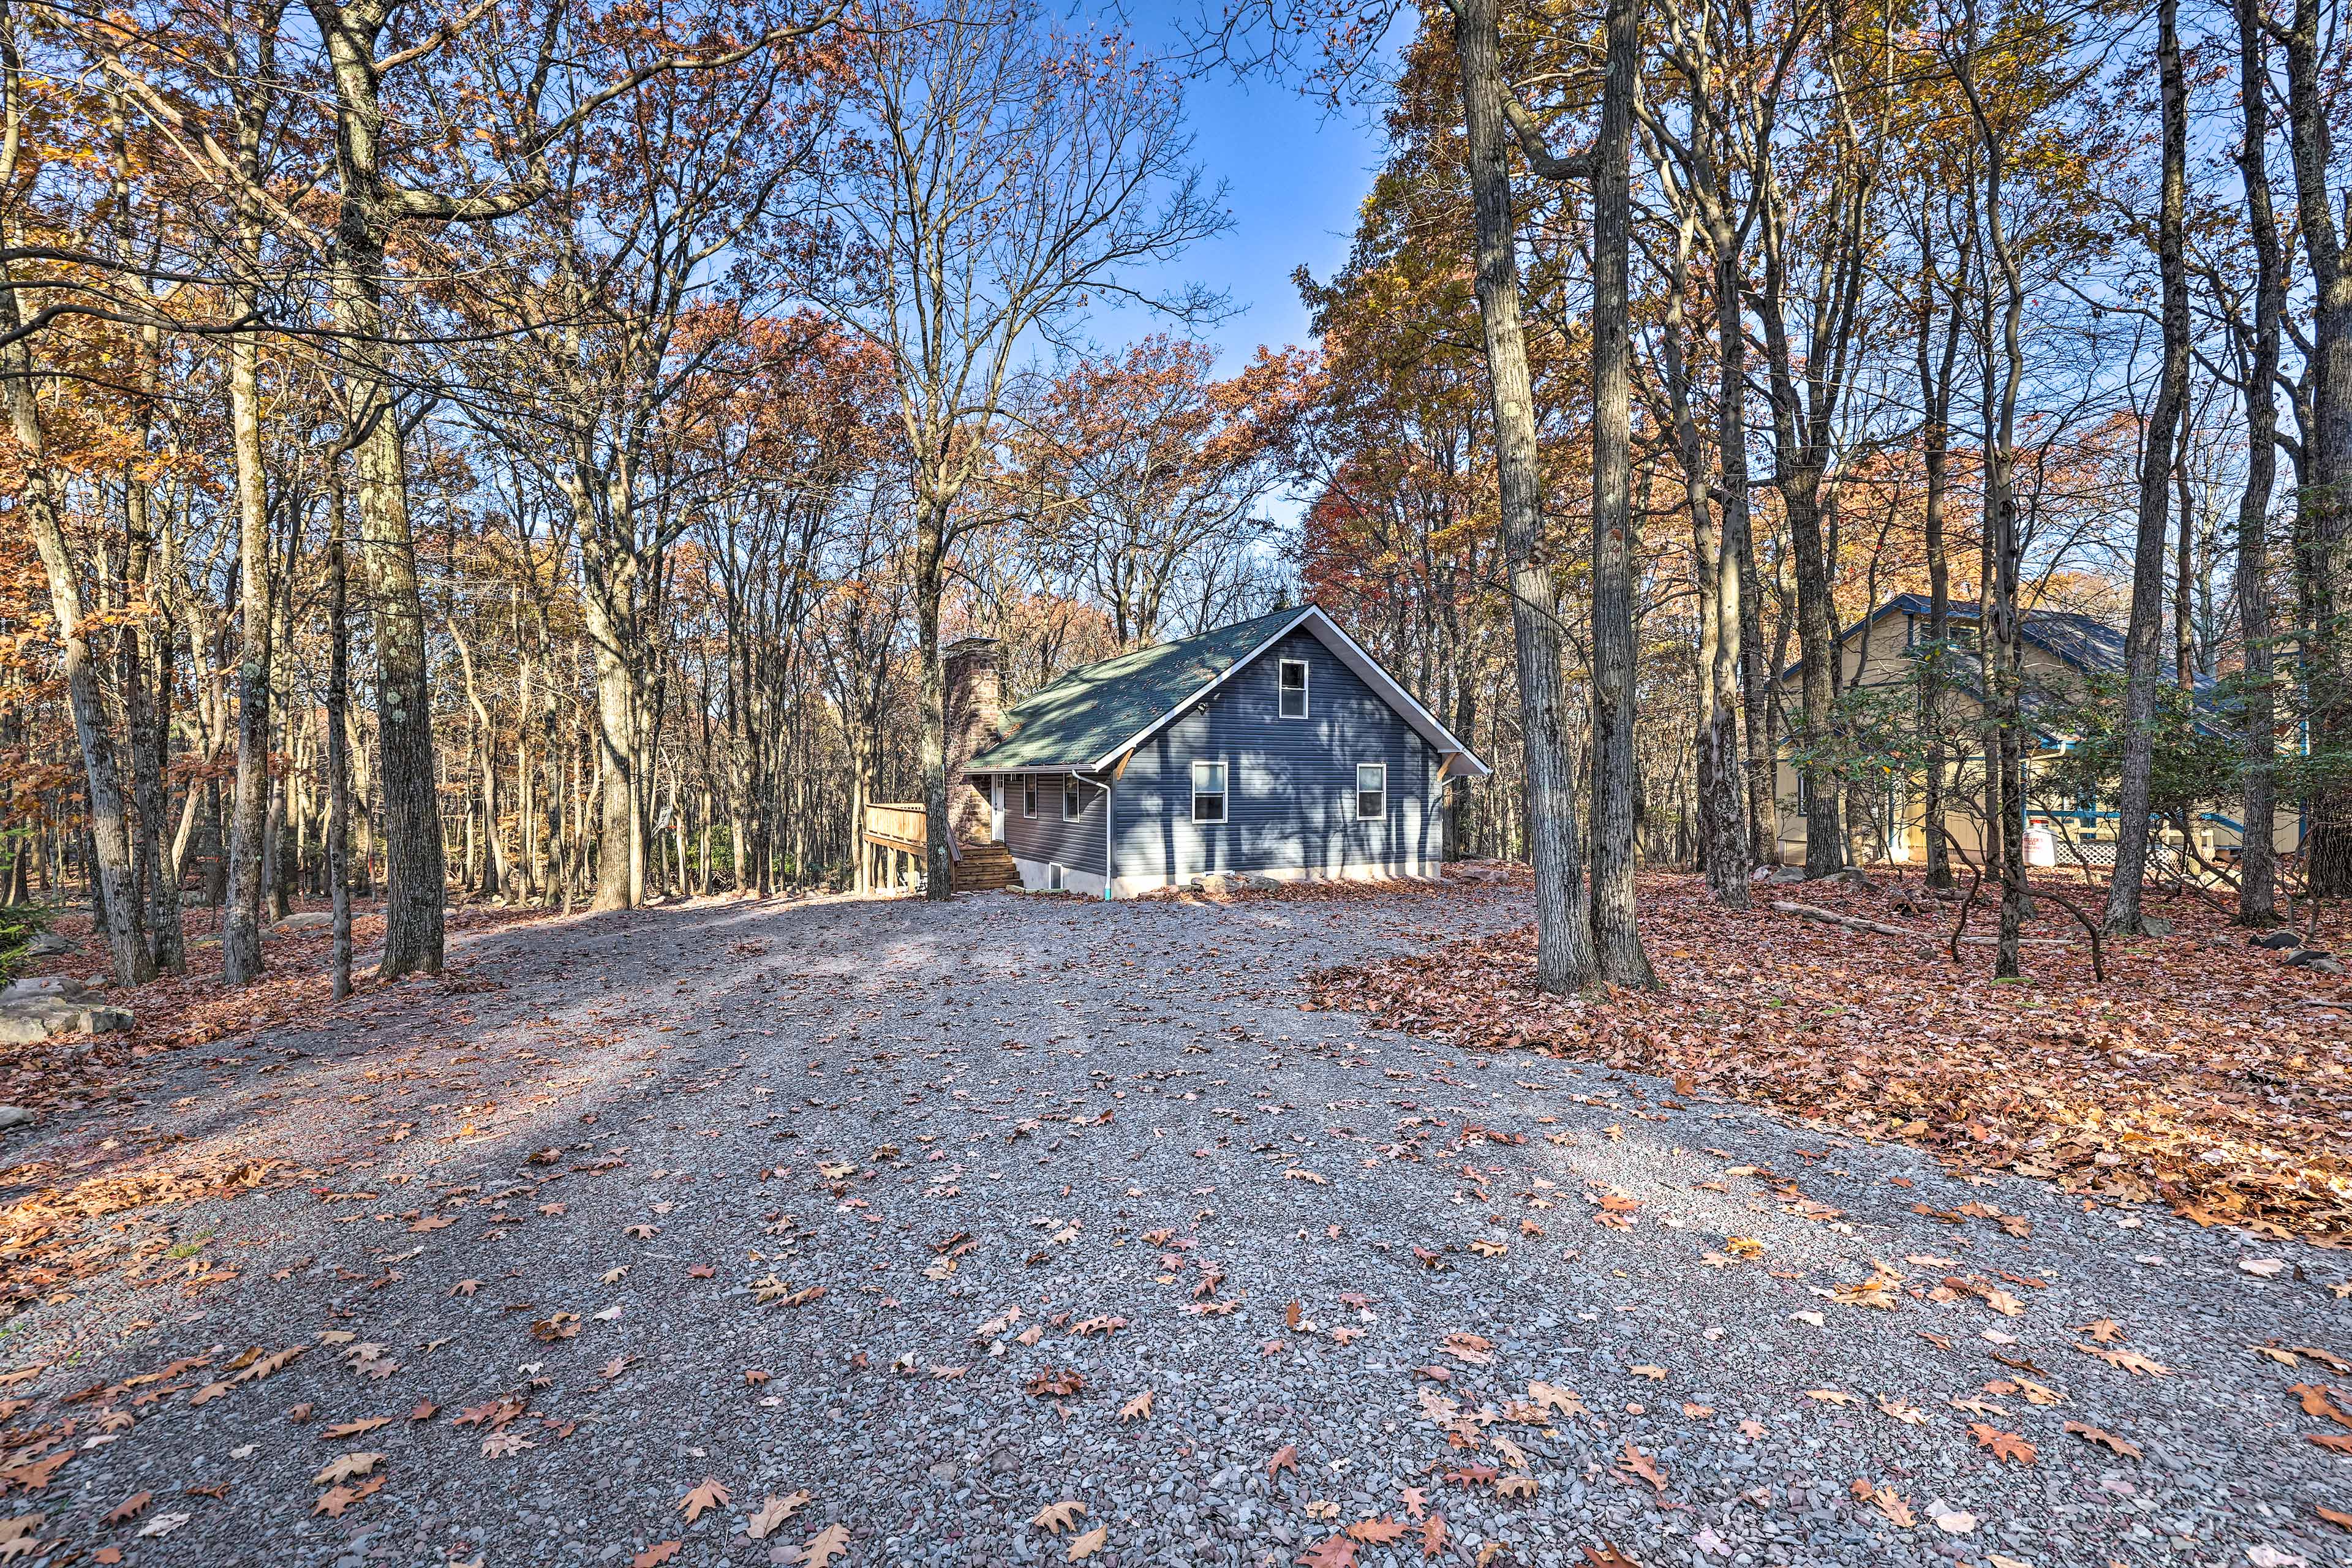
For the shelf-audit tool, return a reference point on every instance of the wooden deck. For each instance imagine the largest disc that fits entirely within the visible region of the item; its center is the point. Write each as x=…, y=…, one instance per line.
x=897, y=841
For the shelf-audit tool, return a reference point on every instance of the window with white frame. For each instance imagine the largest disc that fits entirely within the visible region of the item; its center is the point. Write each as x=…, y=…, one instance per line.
x=1208, y=792
x=1029, y=795
x=1074, y=803
x=1371, y=790
x=1292, y=675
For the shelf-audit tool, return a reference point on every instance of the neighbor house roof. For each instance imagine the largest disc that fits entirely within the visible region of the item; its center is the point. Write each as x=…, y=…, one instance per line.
x=1087, y=719
x=2084, y=642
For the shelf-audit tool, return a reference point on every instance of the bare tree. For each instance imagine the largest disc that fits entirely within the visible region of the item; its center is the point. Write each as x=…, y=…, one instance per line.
x=1004, y=175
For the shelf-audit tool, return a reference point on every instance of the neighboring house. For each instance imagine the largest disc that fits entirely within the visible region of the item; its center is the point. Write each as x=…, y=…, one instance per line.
x=2060, y=647
x=1276, y=745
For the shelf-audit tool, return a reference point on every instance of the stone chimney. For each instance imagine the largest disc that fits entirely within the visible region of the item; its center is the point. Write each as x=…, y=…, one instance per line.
x=974, y=722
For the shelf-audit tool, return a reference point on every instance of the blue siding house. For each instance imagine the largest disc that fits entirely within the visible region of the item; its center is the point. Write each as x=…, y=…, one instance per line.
x=1275, y=746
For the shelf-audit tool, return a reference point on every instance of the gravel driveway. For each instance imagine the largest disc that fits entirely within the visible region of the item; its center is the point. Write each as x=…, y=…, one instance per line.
x=943, y=1216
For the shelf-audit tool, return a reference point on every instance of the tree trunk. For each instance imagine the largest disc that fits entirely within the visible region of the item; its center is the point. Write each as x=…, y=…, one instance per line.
x=2143, y=634
x=339, y=786
x=414, y=880
x=1731, y=851
x=615, y=751
x=2257, y=860
x=2325, y=496
x=1565, y=959
x=1617, y=937
x=241, y=960
x=112, y=886
x=931, y=748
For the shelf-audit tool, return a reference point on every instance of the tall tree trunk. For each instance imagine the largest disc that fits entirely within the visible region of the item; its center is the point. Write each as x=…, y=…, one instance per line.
x=241, y=960
x=2257, y=860
x=1616, y=934
x=414, y=880
x=338, y=782
x=1733, y=847
x=1565, y=959
x=112, y=886
x=931, y=747
x=2325, y=496
x=2143, y=647
x=1936, y=399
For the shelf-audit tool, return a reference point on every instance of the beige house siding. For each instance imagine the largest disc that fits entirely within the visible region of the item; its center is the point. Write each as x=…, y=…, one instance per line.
x=1877, y=654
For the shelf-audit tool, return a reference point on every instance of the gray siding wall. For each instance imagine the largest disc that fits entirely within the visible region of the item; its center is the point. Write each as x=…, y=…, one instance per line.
x=1046, y=837
x=1290, y=782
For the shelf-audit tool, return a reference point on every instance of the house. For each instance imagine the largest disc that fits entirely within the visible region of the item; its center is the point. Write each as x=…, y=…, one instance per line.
x=2061, y=647
x=1275, y=746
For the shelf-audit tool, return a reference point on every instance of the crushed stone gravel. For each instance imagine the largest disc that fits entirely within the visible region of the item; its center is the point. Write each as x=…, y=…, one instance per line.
x=750, y=1192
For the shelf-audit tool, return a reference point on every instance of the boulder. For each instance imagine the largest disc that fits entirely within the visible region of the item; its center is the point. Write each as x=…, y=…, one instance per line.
x=2151, y=926
x=2316, y=958
x=311, y=920
x=14, y=1116
x=1788, y=873
x=32, y=1020
x=1855, y=877
x=48, y=944
x=37, y=985
x=2277, y=941
x=1233, y=882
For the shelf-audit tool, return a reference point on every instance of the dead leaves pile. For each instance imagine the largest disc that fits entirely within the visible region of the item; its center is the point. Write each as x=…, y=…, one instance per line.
x=2197, y=1076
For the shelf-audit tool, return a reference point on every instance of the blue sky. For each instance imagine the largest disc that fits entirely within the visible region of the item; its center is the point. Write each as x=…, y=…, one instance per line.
x=1294, y=179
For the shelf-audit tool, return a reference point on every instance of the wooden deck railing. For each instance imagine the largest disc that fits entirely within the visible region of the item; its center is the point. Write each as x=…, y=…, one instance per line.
x=900, y=827
x=903, y=826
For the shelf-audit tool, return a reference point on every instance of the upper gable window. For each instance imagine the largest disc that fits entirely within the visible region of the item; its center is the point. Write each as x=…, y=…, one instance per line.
x=1293, y=676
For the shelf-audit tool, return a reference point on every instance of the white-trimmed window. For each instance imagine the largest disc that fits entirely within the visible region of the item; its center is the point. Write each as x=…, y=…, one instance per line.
x=1074, y=802
x=1371, y=790
x=1029, y=794
x=1208, y=792
x=1292, y=675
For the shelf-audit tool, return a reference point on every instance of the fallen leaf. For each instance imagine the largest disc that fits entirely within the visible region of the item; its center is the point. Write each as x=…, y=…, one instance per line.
x=823, y=1547
x=1339, y=1551
x=1085, y=1546
x=344, y=1466
x=1640, y=1465
x=1059, y=1516
x=2316, y=1403
x=1949, y=1520
x=2090, y=1434
x=2127, y=1360
x=707, y=1496
x=2001, y=1445
x=772, y=1513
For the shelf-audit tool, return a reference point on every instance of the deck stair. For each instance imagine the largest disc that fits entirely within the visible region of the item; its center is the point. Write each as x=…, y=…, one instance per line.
x=985, y=868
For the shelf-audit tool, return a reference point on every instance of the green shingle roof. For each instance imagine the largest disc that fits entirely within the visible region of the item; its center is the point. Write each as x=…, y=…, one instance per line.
x=1080, y=718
